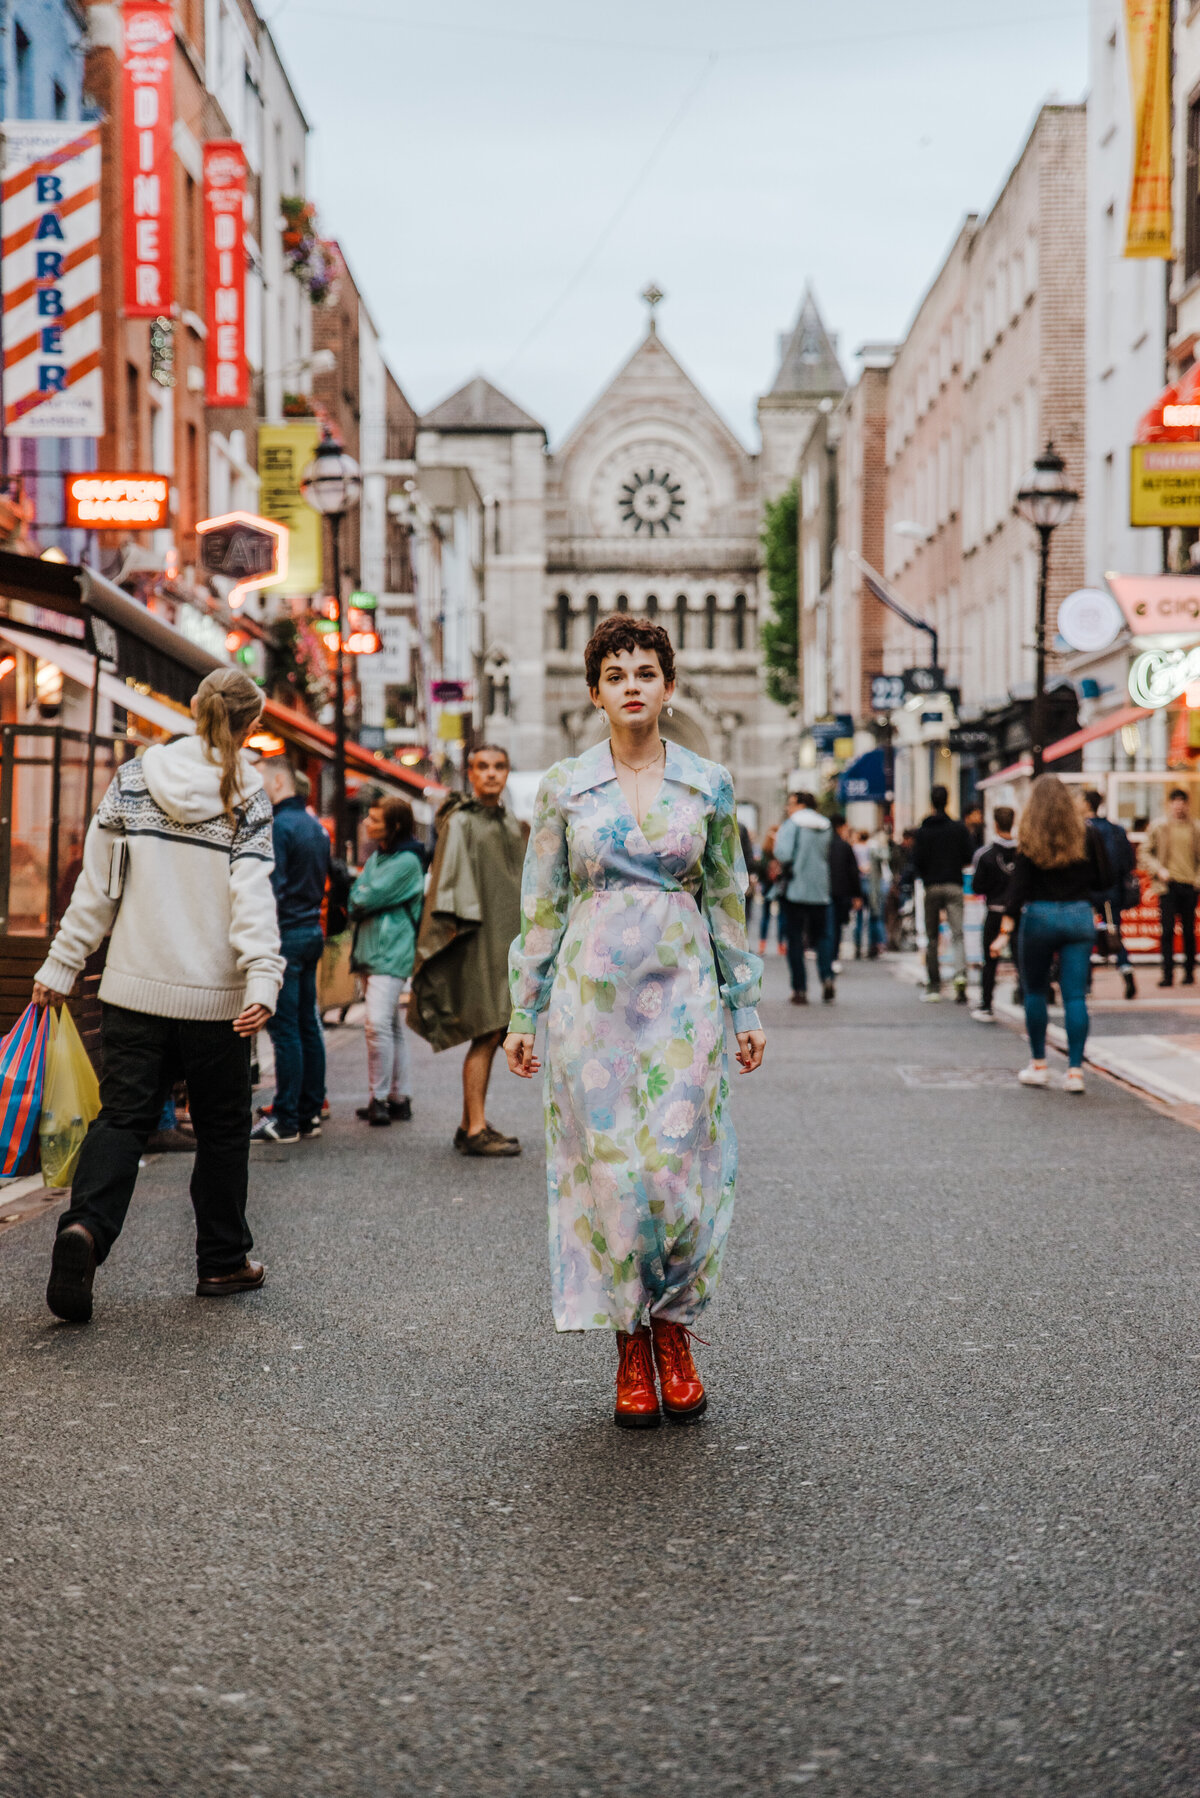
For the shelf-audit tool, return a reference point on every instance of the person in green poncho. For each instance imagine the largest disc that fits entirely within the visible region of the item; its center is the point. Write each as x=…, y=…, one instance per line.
x=385, y=907
x=472, y=913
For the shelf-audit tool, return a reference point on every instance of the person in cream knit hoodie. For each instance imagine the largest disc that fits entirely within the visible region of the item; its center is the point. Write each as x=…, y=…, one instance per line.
x=177, y=867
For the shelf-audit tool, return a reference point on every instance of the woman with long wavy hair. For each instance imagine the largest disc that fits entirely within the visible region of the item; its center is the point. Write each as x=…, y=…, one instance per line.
x=1060, y=863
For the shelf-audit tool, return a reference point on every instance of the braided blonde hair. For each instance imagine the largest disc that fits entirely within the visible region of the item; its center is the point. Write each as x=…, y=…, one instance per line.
x=227, y=704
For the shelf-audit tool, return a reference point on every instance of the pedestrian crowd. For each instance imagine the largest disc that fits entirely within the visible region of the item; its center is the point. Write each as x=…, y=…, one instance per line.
x=620, y=914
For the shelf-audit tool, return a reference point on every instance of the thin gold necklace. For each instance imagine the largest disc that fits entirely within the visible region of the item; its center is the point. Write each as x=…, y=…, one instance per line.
x=646, y=766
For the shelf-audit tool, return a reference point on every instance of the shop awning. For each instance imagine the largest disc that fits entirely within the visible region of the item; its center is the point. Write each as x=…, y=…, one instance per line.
x=1015, y=771
x=865, y=778
x=314, y=737
x=1099, y=727
x=1185, y=392
x=79, y=666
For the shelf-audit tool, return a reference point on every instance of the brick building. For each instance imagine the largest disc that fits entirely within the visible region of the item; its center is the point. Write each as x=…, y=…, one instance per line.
x=992, y=366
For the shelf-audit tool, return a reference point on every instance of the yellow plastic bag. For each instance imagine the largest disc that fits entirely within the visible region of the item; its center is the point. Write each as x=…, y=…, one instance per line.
x=70, y=1100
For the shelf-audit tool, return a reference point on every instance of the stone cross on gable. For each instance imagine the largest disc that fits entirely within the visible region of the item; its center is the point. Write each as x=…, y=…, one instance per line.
x=653, y=296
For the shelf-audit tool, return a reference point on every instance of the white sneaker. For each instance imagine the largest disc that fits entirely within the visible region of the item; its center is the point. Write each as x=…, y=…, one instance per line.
x=983, y=1014
x=931, y=996
x=1073, y=1080
x=1034, y=1075
x=837, y=967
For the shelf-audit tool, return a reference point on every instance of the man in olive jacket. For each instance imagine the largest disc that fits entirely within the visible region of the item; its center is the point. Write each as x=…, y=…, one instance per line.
x=472, y=913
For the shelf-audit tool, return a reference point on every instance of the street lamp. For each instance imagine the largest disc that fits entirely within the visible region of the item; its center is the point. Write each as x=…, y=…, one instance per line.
x=332, y=484
x=1044, y=501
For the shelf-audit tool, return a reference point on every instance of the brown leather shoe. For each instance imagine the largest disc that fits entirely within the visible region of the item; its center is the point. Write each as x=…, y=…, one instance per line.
x=243, y=1279
x=683, y=1395
x=490, y=1142
x=72, y=1270
x=637, y=1395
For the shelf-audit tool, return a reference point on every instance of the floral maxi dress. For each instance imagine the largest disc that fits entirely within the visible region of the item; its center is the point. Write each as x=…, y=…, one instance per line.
x=620, y=925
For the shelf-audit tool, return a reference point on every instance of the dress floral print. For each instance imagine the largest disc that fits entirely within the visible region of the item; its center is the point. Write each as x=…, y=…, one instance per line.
x=625, y=933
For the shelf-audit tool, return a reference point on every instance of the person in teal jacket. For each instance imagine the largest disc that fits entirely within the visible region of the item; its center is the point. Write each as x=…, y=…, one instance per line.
x=385, y=908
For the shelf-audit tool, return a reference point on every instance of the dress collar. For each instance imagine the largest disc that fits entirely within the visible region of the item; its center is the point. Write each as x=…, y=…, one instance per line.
x=595, y=766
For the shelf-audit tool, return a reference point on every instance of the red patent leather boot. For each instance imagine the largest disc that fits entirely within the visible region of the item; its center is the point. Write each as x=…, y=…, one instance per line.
x=683, y=1395
x=637, y=1395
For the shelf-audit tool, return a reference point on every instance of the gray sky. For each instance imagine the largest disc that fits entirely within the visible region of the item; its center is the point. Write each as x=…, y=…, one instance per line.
x=505, y=180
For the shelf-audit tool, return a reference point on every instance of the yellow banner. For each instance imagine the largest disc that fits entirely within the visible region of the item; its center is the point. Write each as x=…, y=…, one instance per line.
x=283, y=453
x=1147, y=32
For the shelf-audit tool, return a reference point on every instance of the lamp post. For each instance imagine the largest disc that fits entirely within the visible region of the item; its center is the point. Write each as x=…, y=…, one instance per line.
x=1044, y=501
x=331, y=484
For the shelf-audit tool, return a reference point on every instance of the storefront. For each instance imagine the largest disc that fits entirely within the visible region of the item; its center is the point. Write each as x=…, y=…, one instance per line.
x=87, y=678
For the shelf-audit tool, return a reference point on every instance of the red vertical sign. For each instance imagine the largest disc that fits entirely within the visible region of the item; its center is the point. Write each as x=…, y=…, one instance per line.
x=227, y=380
x=147, y=106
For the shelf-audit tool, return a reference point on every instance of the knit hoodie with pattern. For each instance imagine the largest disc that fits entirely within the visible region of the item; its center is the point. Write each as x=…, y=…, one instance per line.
x=194, y=933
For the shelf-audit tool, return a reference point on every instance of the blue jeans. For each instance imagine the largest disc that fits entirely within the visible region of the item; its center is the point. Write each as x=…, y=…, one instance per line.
x=868, y=923
x=296, y=1032
x=1049, y=928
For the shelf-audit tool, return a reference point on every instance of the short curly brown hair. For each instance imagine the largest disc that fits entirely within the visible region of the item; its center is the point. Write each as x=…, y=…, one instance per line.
x=619, y=631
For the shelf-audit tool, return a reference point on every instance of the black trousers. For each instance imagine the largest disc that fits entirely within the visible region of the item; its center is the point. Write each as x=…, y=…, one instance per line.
x=1179, y=901
x=143, y=1058
x=991, y=930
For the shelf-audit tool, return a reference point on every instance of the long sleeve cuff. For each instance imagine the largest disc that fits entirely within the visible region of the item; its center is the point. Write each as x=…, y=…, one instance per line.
x=745, y=1017
x=262, y=989
x=522, y=1023
x=56, y=975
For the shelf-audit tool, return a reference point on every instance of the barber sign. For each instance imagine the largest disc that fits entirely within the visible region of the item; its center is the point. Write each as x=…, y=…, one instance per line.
x=50, y=277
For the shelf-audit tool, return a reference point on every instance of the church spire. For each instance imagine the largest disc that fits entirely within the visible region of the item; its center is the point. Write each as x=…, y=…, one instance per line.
x=809, y=363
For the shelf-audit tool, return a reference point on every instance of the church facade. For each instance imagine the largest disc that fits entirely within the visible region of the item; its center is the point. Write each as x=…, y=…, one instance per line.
x=650, y=506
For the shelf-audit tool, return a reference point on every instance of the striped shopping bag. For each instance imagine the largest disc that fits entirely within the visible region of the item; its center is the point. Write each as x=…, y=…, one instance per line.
x=22, y=1061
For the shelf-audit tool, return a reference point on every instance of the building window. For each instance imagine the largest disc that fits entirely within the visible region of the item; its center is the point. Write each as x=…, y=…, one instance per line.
x=710, y=621
x=562, y=606
x=739, y=621
x=622, y=602
x=593, y=615
x=496, y=527
x=681, y=621
x=1191, y=250
x=60, y=101
x=26, y=108
x=133, y=417
x=652, y=607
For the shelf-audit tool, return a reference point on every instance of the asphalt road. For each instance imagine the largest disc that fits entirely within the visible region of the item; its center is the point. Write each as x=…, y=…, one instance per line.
x=371, y=1531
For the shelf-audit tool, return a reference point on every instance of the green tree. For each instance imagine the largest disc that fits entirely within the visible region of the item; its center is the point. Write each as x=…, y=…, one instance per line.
x=781, y=632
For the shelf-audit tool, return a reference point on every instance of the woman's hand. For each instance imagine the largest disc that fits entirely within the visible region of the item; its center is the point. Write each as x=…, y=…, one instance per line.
x=520, y=1055
x=46, y=995
x=1000, y=945
x=751, y=1045
x=252, y=1020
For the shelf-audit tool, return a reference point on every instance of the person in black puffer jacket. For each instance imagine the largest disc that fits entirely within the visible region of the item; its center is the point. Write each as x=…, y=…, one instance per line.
x=990, y=877
x=942, y=849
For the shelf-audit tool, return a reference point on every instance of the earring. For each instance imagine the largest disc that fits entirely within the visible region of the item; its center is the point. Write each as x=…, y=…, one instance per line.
x=670, y=711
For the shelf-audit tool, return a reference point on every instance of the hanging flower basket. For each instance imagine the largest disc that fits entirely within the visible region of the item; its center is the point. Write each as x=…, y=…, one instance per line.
x=306, y=255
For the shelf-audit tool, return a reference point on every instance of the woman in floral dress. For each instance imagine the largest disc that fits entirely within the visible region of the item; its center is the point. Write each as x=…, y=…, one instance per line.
x=633, y=931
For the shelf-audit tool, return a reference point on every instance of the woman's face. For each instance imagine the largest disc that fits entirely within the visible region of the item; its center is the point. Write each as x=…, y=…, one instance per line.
x=632, y=688
x=375, y=827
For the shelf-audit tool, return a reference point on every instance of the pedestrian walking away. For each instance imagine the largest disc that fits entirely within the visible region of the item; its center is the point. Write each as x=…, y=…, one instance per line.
x=302, y=860
x=633, y=931
x=1060, y=862
x=990, y=879
x=176, y=865
x=385, y=907
x=942, y=848
x=845, y=883
x=802, y=849
x=1124, y=893
x=472, y=913
x=1171, y=853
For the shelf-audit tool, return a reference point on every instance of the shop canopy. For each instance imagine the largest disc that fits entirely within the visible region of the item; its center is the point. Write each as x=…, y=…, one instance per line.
x=1180, y=405
x=50, y=610
x=865, y=779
